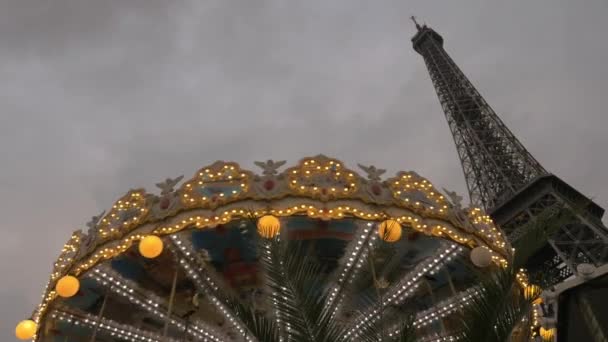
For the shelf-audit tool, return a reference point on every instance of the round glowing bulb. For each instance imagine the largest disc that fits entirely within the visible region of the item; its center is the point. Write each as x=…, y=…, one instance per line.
x=151, y=246
x=25, y=330
x=481, y=257
x=269, y=226
x=390, y=230
x=67, y=286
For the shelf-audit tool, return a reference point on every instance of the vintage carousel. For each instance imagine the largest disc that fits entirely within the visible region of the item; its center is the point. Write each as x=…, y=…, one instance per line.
x=158, y=267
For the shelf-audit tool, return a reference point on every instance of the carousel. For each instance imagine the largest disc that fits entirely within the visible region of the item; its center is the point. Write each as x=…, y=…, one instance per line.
x=173, y=266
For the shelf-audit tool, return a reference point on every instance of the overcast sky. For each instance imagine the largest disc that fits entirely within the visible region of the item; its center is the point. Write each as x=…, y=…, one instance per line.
x=97, y=97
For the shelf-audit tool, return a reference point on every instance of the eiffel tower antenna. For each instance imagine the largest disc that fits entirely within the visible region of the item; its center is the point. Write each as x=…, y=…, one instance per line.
x=415, y=22
x=504, y=178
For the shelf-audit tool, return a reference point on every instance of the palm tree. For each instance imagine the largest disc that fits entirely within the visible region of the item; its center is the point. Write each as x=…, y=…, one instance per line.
x=303, y=309
x=301, y=305
x=502, y=312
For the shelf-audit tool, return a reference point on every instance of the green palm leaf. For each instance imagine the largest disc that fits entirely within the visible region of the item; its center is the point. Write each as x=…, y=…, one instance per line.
x=259, y=325
x=298, y=292
x=496, y=312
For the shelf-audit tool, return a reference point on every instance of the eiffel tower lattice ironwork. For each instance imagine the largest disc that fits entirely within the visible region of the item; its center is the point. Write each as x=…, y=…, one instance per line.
x=504, y=178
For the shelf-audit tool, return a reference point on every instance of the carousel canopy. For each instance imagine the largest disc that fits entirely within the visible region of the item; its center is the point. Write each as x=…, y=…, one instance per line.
x=154, y=267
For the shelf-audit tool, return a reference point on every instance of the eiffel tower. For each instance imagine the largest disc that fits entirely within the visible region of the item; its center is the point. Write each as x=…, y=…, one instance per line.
x=505, y=179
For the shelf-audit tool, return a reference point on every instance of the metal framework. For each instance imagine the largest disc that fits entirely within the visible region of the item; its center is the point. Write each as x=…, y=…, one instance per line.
x=503, y=177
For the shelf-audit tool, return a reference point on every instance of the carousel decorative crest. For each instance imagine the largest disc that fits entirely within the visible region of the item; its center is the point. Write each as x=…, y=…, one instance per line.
x=125, y=214
x=322, y=178
x=215, y=185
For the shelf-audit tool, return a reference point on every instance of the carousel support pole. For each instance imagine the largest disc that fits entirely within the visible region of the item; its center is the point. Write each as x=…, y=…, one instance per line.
x=430, y=288
x=377, y=285
x=101, y=311
x=187, y=325
x=452, y=288
x=68, y=335
x=171, y=299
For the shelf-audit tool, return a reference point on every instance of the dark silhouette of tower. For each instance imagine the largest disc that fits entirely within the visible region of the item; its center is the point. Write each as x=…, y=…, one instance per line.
x=504, y=178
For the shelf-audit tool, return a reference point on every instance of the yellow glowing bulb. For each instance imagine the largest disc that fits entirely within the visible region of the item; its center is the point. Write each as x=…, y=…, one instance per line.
x=67, y=286
x=269, y=226
x=151, y=246
x=25, y=330
x=390, y=230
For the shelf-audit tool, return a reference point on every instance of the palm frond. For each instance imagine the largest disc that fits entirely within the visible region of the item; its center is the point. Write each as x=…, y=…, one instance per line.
x=407, y=330
x=396, y=325
x=496, y=311
x=262, y=327
x=298, y=292
x=500, y=307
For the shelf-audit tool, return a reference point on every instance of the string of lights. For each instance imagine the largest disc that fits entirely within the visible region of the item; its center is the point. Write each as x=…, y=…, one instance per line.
x=205, y=285
x=109, y=327
x=406, y=286
x=148, y=302
x=350, y=265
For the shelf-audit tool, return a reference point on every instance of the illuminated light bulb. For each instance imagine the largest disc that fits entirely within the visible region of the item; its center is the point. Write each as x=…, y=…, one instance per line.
x=481, y=257
x=268, y=226
x=26, y=329
x=151, y=246
x=389, y=230
x=67, y=286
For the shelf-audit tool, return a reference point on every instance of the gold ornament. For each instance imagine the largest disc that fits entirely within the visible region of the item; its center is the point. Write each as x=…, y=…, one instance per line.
x=269, y=226
x=151, y=246
x=532, y=292
x=25, y=330
x=390, y=230
x=547, y=334
x=67, y=286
